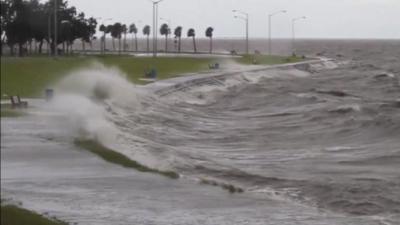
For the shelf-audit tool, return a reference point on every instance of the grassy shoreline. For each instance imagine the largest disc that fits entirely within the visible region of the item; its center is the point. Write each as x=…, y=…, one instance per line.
x=14, y=215
x=114, y=157
x=30, y=76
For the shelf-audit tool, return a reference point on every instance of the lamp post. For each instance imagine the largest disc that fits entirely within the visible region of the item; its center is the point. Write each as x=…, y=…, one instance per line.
x=155, y=25
x=293, y=32
x=55, y=28
x=103, y=42
x=63, y=24
x=246, y=19
x=270, y=29
x=49, y=34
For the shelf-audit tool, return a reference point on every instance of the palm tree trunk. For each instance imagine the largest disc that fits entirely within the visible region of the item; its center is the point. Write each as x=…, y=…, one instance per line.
x=136, y=44
x=166, y=43
x=119, y=45
x=211, y=45
x=83, y=47
x=104, y=42
x=194, y=45
x=179, y=45
x=148, y=44
x=20, y=46
x=30, y=47
x=113, y=42
x=40, y=46
x=124, y=47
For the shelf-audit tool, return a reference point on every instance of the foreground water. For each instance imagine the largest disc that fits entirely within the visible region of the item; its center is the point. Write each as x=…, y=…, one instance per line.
x=315, y=144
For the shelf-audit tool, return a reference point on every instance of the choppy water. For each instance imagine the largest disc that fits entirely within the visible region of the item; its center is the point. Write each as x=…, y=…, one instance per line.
x=323, y=137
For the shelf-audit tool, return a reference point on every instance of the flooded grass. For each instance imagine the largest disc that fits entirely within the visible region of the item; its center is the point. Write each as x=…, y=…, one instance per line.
x=120, y=159
x=13, y=215
x=229, y=187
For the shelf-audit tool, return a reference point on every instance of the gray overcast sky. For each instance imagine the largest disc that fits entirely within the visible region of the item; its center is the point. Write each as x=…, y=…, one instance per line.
x=325, y=18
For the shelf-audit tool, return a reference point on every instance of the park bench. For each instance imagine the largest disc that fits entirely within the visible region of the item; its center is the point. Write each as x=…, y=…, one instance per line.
x=213, y=66
x=152, y=74
x=17, y=103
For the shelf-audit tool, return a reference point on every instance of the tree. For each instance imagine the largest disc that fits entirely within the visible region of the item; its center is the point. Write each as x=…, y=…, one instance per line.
x=108, y=31
x=91, y=27
x=133, y=29
x=103, y=28
x=146, y=32
x=178, y=34
x=191, y=33
x=18, y=30
x=124, y=31
x=24, y=22
x=164, y=30
x=209, y=34
x=5, y=18
x=116, y=32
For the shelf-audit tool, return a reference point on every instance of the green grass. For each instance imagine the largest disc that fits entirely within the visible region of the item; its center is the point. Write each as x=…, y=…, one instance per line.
x=166, y=67
x=120, y=159
x=29, y=76
x=267, y=59
x=13, y=215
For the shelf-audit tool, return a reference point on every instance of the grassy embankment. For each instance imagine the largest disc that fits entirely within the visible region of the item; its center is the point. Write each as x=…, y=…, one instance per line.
x=112, y=156
x=28, y=77
x=13, y=215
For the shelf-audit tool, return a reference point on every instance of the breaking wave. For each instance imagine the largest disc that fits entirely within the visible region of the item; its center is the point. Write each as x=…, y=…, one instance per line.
x=291, y=133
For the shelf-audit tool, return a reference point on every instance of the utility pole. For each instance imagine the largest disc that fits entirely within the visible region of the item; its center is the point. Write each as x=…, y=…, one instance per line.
x=246, y=19
x=155, y=25
x=55, y=28
x=293, y=32
x=270, y=30
x=49, y=33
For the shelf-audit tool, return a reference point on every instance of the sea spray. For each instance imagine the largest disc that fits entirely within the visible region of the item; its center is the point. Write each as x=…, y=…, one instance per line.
x=86, y=99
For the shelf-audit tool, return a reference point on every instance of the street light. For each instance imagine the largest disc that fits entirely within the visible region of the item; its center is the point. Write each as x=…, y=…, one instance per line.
x=103, y=41
x=246, y=19
x=155, y=25
x=293, y=32
x=55, y=28
x=270, y=28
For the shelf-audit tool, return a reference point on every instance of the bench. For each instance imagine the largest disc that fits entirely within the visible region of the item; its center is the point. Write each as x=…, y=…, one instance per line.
x=150, y=74
x=213, y=66
x=17, y=103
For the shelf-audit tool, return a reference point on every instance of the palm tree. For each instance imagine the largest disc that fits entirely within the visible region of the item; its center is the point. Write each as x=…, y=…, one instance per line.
x=164, y=30
x=133, y=29
x=116, y=32
x=109, y=29
x=124, y=31
x=209, y=34
x=146, y=32
x=178, y=34
x=192, y=33
x=103, y=39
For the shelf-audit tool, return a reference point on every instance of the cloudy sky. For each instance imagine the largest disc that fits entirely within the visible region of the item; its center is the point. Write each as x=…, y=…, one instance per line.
x=325, y=18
